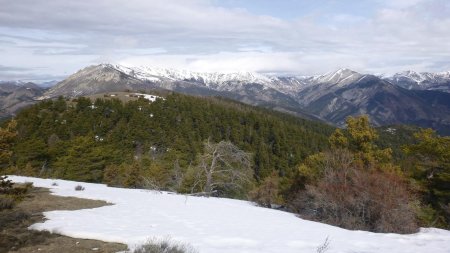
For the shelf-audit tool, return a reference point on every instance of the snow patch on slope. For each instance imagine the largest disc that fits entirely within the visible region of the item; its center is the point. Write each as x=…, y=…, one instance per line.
x=149, y=97
x=214, y=225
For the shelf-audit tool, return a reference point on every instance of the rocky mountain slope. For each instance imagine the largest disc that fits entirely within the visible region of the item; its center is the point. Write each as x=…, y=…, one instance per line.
x=92, y=80
x=384, y=102
x=17, y=95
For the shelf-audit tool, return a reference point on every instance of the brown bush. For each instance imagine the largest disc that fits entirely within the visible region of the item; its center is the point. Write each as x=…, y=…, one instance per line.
x=267, y=193
x=355, y=198
x=6, y=202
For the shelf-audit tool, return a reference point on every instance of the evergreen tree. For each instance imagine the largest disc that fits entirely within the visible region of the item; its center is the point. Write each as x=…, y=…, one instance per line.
x=431, y=156
x=84, y=161
x=7, y=137
x=361, y=140
x=133, y=177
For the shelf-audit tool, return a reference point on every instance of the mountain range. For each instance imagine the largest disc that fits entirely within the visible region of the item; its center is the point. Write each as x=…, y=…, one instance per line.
x=421, y=99
x=422, y=81
x=17, y=95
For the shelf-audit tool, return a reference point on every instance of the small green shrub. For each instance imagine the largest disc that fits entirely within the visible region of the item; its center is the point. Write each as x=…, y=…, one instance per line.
x=164, y=246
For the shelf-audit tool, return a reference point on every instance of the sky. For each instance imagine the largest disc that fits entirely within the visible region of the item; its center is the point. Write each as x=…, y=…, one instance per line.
x=48, y=40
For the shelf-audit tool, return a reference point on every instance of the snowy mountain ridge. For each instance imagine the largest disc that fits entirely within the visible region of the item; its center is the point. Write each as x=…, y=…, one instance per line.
x=158, y=74
x=226, y=81
x=422, y=81
x=293, y=83
x=341, y=77
x=286, y=83
x=423, y=76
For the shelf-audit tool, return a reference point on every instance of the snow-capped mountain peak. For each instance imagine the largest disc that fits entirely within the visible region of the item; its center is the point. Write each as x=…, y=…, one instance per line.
x=339, y=77
x=423, y=80
x=412, y=75
x=155, y=74
x=224, y=81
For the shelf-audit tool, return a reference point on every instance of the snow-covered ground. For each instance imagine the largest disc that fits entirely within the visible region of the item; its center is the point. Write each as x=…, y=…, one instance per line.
x=214, y=225
x=151, y=98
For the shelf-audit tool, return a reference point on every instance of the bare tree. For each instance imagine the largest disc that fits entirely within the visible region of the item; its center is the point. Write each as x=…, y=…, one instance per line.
x=223, y=167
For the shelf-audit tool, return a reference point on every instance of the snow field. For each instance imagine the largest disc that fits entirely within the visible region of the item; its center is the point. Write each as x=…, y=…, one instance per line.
x=214, y=225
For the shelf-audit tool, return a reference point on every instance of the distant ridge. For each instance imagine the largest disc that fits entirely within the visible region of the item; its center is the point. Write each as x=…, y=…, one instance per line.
x=404, y=98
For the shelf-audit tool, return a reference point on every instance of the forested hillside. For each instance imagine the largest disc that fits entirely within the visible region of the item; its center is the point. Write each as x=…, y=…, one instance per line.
x=77, y=140
x=214, y=146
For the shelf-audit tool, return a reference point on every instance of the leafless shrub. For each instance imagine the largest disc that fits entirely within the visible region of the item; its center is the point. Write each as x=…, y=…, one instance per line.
x=28, y=185
x=267, y=194
x=324, y=247
x=150, y=184
x=164, y=246
x=355, y=198
x=79, y=188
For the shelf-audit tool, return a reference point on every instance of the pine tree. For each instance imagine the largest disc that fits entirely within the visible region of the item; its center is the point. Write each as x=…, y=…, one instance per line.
x=7, y=137
x=133, y=176
x=361, y=141
x=83, y=161
x=431, y=156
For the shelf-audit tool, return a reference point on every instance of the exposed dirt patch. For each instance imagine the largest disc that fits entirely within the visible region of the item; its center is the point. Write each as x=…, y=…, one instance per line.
x=16, y=237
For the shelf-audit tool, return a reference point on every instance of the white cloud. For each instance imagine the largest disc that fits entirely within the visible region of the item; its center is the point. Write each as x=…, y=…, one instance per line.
x=61, y=36
x=400, y=4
